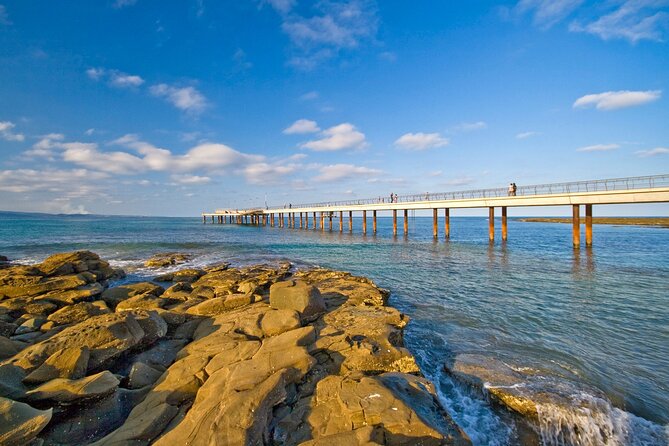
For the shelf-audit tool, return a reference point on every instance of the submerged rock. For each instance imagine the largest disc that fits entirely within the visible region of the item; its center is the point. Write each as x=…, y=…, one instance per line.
x=167, y=259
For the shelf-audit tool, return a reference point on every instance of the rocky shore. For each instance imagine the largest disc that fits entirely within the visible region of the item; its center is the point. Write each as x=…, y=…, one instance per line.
x=260, y=355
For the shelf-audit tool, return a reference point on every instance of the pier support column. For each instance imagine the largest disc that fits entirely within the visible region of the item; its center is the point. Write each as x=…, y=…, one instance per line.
x=306, y=220
x=315, y=220
x=394, y=221
x=588, y=225
x=322, y=221
x=350, y=221
x=364, y=222
x=204, y=219
x=435, y=223
x=330, y=220
x=505, y=230
x=576, y=226
x=212, y=219
x=301, y=221
x=491, y=224
x=341, y=221
x=406, y=221
x=271, y=220
x=374, y=221
x=447, y=223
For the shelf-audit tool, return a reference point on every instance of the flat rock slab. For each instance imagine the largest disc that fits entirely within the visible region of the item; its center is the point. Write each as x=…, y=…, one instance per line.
x=62, y=390
x=69, y=363
x=20, y=423
x=299, y=296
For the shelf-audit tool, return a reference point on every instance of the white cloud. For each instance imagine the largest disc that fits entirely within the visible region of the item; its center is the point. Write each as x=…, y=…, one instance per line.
x=598, y=148
x=545, y=13
x=44, y=148
x=282, y=6
x=525, y=135
x=88, y=155
x=265, y=173
x=633, y=20
x=190, y=179
x=310, y=96
x=436, y=173
x=333, y=27
x=122, y=80
x=96, y=73
x=51, y=180
x=421, y=141
x=470, y=126
x=339, y=137
x=188, y=99
x=302, y=126
x=123, y=3
x=335, y=172
x=653, y=152
x=115, y=78
x=612, y=100
x=4, y=17
x=89, y=132
x=461, y=181
x=7, y=134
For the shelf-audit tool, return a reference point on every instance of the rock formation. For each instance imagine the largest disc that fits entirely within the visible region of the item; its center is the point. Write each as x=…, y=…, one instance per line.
x=224, y=356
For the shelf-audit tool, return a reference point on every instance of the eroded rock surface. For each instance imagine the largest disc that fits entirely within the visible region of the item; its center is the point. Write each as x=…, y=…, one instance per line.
x=225, y=356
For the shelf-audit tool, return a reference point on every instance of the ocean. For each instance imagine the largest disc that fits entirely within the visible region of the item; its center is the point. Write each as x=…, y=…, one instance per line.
x=596, y=317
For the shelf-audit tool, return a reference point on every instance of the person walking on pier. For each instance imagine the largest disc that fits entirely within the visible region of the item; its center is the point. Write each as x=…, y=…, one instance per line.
x=512, y=189
x=391, y=197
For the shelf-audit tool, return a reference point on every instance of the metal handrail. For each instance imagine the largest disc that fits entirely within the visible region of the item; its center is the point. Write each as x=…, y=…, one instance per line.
x=644, y=182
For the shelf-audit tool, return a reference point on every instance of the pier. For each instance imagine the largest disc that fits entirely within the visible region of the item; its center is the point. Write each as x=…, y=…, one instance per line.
x=578, y=195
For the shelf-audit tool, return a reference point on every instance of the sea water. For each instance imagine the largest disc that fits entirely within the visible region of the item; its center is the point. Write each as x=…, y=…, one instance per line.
x=599, y=316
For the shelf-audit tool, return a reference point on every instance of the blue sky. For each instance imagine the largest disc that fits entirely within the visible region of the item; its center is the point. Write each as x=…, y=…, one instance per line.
x=172, y=108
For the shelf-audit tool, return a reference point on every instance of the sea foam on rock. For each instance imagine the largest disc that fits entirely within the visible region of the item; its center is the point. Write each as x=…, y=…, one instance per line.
x=226, y=356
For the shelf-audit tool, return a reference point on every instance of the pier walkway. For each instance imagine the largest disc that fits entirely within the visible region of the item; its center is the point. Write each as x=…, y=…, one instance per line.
x=647, y=189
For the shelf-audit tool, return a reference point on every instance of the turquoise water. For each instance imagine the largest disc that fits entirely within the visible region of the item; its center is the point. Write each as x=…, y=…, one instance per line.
x=597, y=316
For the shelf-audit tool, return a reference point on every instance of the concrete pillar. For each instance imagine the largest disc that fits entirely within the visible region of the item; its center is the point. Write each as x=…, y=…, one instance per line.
x=301, y=221
x=505, y=230
x=394, y=221
x=435, y=223
x=204, y=219
x=491, y=224
x=212, y=219
x=322, y=221
x=350, y=221
x=576, y=226
x=341, y=221
x=406, y=222
x=374, y=221
x=314, y=220
x=364, y=222
x=306, y=220
x=330, y=220
x=588, y=225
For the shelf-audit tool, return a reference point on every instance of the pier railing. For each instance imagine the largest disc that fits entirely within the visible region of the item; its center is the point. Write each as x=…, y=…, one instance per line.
x=631, y=183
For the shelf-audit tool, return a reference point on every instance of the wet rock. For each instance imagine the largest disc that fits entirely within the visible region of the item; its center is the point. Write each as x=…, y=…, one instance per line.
x=4, y=259
x=107, y=336
x=7, y=348
x=78, y=262
x=7, y=328
x=185, y=275
x=299, y=296
x=142, y=375
x=20, y=423
x=70, y=363
x=167, y=259
x=11, y=381
x=30, y=325
x=76, y=313
x=113, y=296
x=62, y=390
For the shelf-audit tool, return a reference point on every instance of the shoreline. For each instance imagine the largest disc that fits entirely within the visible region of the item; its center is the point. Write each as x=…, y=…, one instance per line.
x=655, y=222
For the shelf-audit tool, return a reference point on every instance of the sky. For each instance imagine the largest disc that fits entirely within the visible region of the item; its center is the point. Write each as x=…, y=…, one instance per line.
x=146, y=107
